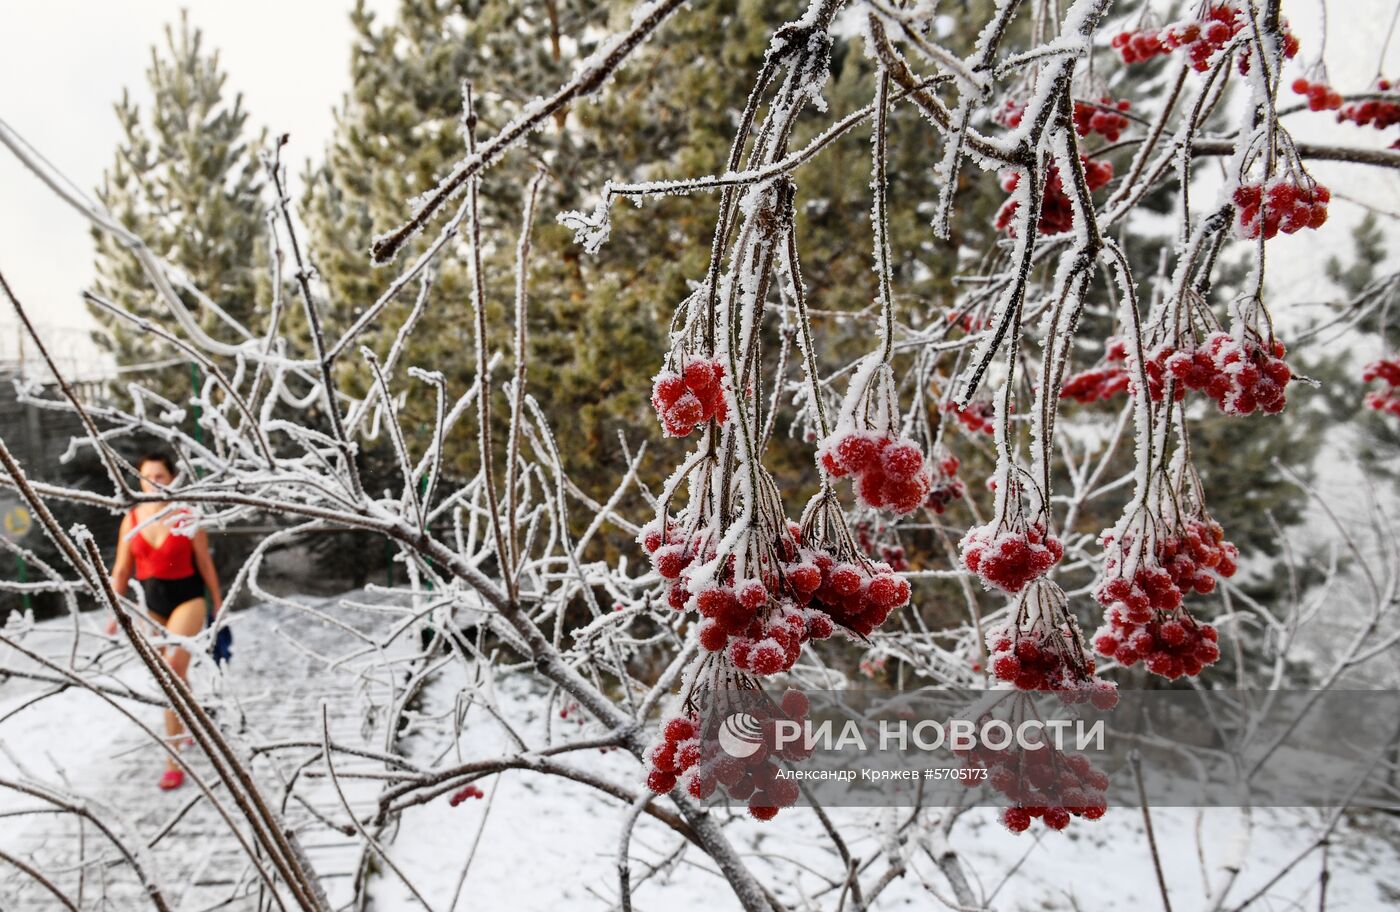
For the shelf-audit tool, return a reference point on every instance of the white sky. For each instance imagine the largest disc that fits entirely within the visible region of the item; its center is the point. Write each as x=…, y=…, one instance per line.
x=64, y=62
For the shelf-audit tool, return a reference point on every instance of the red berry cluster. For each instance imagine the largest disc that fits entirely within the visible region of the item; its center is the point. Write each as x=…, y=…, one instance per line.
x=1056, y=211
x=683, y=758
x=889, y=472
x=1387, y=398
x=1103, y=118
x=1241, y=377
x=1200, y=39
x=1007, y=557
x=672, y=552
x=852, y=595
x=1010, y=112
x=757, y=636
x=1046, y=657
x=1145, y=619
x=1321, y=96
x=761, y=627
x=690, y=398
x=1095, y=384
x=1290, y=46
x=1380, y=113
x=1171, y=645
x=471, y=791
x=1045, y=783
x=1281, y=205
x=978, y=417
x=947, y=486
x=1102, y=382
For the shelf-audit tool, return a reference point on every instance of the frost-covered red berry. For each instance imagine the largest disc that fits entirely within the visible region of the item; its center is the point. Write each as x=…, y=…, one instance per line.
x=1103, y=117
x=1379, y=113
x=1241, y=377
x=470, y=791
x=690, y=398
x=1321, y=96
x=1044, y=782
x=976, y=417
x=1198, y=39
x=1145, y=619
x=1056, y=210
x=1007, y=555
x=945, y=485
x=890, y=474
x=1386, y=396
x=1040, y=648
x=1282, y=204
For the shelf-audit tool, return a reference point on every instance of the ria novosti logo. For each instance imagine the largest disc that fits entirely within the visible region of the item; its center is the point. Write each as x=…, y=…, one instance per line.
x=741, y=735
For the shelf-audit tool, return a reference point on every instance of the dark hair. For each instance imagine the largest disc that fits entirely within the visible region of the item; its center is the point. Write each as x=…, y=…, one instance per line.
x=159, y=456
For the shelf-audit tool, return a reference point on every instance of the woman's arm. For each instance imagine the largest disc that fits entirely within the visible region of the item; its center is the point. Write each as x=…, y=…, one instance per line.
x=122, y=566
x=205, y=564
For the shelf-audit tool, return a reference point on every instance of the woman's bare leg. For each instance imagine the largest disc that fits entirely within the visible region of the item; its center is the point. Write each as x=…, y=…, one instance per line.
x=186, y=620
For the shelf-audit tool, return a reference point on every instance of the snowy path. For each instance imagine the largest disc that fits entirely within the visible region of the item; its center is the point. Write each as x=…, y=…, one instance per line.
x=272, y=692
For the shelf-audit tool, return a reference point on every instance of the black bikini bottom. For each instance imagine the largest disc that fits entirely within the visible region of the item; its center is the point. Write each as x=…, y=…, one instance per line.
x=163, y=596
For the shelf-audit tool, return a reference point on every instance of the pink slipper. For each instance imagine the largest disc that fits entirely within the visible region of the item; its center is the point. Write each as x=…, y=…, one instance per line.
x=172, y=779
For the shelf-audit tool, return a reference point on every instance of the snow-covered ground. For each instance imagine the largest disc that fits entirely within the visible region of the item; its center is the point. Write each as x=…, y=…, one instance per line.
x=549, y=844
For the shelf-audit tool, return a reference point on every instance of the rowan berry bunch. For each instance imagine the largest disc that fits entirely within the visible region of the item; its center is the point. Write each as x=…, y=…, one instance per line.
x=1287, y=39
x=946, y=486
x=856, y=595
x=1147, y=571
x=759, y=632
x=1386, y=398
x=834, y=579
x=1007, y=554
x=1104, y=117
x=1040, y=647
x=690, y=398
x=1096, y=384
x=1186, y=559
x=1171, y=644
x=977, y=417
x=1240, y=377
x=1044, y=783
x=1056, y=210
x=685, y=758
x=889, y=472
x=1282, y=204
x=1321, y=96
x=1009, y=114
x=1380, y=113
x=1103, y=381
x=672, y=552
x=1199, y=39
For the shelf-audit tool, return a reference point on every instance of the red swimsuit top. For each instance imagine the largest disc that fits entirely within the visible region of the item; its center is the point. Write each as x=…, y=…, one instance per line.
x=174, y=559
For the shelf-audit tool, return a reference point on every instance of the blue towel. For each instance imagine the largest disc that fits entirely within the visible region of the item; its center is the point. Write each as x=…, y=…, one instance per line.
x=222, y=650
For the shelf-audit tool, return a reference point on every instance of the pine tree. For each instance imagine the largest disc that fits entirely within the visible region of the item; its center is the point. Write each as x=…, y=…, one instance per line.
x=186, y=180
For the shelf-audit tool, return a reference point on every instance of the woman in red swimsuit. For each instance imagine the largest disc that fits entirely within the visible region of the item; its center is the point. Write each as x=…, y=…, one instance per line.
x=165, y=563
